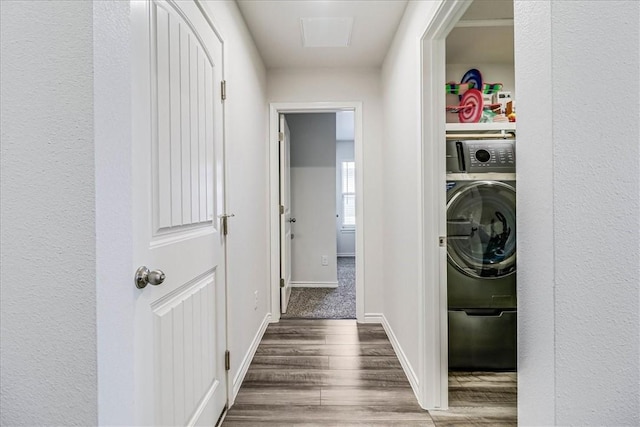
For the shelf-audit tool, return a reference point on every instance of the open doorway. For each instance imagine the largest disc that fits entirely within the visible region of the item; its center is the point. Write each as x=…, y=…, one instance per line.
x=318, y=193
x=481, y=239
x=323, y=214
x=435, y=346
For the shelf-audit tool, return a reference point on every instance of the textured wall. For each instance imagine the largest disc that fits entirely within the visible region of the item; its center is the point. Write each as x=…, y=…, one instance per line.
x=536, y=376
x=579, y=350
x=596, y=200
x=48, y=354
x=113, y=140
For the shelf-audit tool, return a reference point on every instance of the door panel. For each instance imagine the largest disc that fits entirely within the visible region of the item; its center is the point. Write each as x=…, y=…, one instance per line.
x=285, y=215
x=185, y=348
x=180, y=337
x=183, y=70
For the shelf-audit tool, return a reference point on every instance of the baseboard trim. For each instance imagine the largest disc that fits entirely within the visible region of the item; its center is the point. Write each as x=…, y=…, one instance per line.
x=314, y=284
x=373, y=318
x=248, y=357
x=404, y=361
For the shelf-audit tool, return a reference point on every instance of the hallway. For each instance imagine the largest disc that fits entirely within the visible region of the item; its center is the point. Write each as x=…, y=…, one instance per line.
x=337, y=372
x=82, y=345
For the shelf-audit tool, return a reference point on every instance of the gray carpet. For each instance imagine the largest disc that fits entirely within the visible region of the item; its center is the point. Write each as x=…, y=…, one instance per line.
x=327, y=303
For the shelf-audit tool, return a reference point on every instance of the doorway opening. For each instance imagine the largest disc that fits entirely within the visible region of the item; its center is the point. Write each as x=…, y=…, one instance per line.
x=320, y=215
x=481, y=239
x=434, y=315
x=316, y=240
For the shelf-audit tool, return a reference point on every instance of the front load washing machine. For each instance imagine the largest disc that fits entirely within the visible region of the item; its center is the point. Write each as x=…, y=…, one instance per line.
x=481, y=254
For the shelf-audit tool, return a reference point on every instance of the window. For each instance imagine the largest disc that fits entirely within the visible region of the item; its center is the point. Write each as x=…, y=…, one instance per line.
x=348, y=194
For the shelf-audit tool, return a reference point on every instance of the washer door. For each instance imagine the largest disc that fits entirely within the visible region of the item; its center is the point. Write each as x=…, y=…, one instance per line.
x=481, y=229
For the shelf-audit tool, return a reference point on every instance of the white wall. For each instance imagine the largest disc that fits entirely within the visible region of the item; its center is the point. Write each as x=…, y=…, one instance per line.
x=345, y=239
x=112, y=38
x=313, y=153
x=48, y=247
x=246, y=121
x=328, y=85
x=578, y=212
x=403, y=193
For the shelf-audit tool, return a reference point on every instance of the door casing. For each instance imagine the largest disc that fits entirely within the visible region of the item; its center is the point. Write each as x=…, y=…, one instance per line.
x=275, y=109
x=432, y=317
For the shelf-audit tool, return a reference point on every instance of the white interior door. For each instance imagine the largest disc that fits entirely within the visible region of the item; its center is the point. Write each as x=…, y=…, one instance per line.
x=178, y=195
x=285, y=215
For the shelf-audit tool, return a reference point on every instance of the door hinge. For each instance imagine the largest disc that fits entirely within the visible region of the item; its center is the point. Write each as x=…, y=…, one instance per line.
x=225, y=223
x=281, y=209
x=227, y=360
x=225, y=227
x=282, y=283
x=223, y=89
x=280, y=136
x=442, y=241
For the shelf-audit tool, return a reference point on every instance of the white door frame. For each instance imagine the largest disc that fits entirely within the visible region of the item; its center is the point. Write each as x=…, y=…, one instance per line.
x=434, y=393
x=227, y=308
x=275, y=109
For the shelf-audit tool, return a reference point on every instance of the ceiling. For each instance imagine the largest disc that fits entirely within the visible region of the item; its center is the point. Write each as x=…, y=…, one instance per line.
x=275, y=26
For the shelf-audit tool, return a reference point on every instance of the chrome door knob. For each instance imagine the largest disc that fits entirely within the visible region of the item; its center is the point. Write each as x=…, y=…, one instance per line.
x=146, y=277
x=292, y=220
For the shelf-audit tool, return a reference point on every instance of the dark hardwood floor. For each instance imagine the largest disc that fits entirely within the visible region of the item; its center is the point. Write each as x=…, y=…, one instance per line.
x=340, y=373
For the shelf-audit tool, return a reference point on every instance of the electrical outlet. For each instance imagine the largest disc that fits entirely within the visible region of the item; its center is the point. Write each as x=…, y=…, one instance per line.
x=325, y=260
x=255, y=300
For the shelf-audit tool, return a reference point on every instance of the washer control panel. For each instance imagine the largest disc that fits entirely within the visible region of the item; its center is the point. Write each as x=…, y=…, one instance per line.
x=489, y=156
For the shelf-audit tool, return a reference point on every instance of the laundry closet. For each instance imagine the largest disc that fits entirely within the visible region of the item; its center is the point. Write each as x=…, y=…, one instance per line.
x=481, y=196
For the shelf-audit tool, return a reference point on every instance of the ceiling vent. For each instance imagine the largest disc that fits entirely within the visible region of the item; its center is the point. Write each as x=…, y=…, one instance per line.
x=326, y=32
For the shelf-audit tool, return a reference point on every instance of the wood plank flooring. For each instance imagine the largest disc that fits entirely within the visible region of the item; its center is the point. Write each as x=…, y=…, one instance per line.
x=340, y=373
x=480, y=399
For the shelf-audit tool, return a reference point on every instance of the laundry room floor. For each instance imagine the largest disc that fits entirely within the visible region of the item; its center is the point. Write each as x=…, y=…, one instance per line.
x=480, y=398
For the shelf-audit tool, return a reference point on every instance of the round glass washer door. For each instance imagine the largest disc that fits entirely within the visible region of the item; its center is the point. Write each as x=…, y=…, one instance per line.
x=481, y=229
